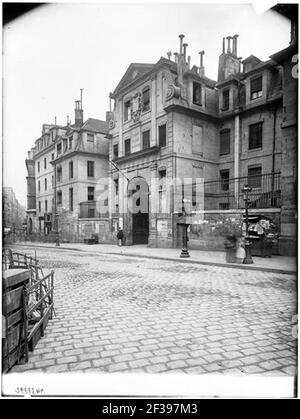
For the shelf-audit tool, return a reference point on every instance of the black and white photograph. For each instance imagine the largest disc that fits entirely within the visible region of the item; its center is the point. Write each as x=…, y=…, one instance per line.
x=149, y=200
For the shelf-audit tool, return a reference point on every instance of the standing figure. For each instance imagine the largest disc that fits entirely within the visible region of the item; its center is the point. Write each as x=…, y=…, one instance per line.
x=240, y=251
x=230, y=248
x=120, y=236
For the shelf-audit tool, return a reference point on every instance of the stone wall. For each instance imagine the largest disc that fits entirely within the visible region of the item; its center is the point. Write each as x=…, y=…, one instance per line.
x=216, y=225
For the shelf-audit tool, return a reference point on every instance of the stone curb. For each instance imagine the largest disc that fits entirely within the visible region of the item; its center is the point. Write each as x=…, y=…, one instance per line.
x=198, y=262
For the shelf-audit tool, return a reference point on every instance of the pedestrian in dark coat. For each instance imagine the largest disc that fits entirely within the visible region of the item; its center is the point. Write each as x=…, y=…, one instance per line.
x=120, y=236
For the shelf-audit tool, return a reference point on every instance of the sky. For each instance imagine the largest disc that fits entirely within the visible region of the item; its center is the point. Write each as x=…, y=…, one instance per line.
x=53, y=51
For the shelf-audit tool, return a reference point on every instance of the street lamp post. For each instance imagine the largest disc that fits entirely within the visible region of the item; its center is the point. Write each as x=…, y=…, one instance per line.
x=184, y=226
x=248, y=259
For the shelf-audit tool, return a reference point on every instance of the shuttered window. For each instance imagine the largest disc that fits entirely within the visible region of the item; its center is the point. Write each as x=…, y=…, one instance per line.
x=225, y=141
x=255, y=136
x=254, y=177
x=127, y=147
x=146, y=139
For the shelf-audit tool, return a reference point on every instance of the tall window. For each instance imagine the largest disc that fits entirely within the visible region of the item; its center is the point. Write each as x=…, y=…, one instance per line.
x=45, y=163
x=254, y=177
x=40, y=206
x=90, y=169
x=255, y=136
x=46, y=205
x=146, y=99
x=59, y=197
x=225, y=100
x=115, y=151
x=90, y=138
x=224, y=177
x=52, y=156
x=91, y=193
x=59, y=174
x=146, y=139
x=39, y=186
x=162, y=135
x=197, y=93
x=256, y=87
x=46, y=184
x=71, y=170
x=127, y=111
x=225, y=141
x=39, y=167
x=71, y=199
x=58, y=149
x=162, y=190
x=71, y=142
x=116, y=183
x=52, y=181
x=127, y=144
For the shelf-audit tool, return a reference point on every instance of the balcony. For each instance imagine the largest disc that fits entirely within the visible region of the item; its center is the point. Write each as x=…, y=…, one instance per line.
x=227, y=194
x=89, y=209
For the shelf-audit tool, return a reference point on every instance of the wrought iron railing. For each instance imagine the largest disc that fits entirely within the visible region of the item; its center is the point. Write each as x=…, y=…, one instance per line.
x=227, y=193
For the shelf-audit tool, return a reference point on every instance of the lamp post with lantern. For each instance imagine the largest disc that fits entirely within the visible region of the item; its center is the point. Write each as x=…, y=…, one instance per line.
x=248, y=259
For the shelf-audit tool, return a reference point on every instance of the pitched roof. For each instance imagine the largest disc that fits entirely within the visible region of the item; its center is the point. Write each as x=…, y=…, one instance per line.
x=251, y=58
x=134, y=71
x=95, y=125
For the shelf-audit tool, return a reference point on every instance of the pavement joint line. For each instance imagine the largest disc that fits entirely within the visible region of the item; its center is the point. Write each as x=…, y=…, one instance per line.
x=191, y=261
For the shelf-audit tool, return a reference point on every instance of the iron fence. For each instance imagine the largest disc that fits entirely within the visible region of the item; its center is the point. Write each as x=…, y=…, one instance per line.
x=227, y=193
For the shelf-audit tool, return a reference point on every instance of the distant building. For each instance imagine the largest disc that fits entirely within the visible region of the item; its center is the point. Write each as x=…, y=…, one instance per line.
x=13, y=212
x=63, y=168
x=171, y=121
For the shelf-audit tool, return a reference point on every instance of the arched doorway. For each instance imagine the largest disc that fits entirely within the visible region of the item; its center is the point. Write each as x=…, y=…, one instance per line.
x=138, y=206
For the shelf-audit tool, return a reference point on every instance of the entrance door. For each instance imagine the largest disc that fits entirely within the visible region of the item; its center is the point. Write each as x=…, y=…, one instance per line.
x=138, y=191
x=140, y=228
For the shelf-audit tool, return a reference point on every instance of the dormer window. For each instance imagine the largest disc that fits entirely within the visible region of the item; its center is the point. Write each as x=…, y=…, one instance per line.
x=225, y=99
x=256, y=88
x=127, y=111
x=197, y=93
x=146, y=99
x=90, y=138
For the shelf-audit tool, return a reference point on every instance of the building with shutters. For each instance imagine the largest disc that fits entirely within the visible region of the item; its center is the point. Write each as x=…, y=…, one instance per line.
x=170, y=121
x=64, y=168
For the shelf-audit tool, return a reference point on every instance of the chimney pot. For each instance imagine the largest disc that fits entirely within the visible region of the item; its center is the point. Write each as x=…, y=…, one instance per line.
x=228, y=45
x=185, y=45
x=169, y=54
x=234, y=46
x=181, y=36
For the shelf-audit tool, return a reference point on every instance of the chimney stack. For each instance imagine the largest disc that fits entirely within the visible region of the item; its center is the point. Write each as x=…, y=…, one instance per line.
x=201, y=68
x=189, y=62
x=223, y=46
x=176, y=57
x=234, y=46
x=185, y=45
x=181, y=38
x=169, y=54
x=228, y=44
x=78, y=113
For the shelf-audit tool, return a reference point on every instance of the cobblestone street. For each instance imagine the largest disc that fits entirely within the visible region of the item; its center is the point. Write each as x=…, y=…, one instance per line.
x=124, y=314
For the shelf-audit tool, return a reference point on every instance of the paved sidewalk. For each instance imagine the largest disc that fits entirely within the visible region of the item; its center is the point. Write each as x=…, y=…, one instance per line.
x=279, y=264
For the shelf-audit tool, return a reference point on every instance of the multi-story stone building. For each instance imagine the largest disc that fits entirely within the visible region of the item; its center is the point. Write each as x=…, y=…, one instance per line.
x=170, y=121
x=13, y=213
x=63, y=170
